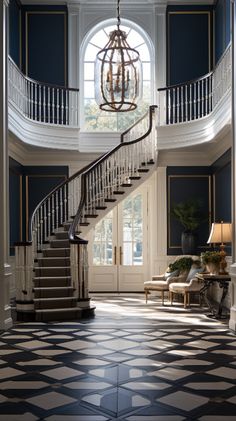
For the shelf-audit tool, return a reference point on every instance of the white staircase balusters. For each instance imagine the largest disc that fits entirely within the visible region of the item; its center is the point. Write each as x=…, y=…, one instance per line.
x=42, y=102
x=196, y=99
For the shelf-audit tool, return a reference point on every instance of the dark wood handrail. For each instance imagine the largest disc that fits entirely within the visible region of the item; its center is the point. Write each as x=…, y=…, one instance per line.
x=49, y=85
x=131, y=127
x=189, y=82
x=72, y=229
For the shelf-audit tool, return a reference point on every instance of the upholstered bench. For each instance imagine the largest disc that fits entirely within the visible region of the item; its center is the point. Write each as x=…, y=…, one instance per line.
x=185, y=288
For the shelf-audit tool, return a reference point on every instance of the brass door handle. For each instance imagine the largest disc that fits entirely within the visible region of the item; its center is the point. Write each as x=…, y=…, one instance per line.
x=114, y=256
x=121, y=256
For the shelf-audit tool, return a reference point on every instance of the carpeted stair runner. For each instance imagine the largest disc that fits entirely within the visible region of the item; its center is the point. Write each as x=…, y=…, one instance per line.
x=53, y=291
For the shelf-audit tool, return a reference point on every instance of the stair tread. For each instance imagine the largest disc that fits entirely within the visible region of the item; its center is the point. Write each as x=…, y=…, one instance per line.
x=55, y=298
x=54, y=257
x=56, y=310
x=51, y=277
x=52, y=288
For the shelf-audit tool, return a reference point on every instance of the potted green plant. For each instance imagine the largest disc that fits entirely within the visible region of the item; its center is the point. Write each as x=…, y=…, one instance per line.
x=183, y=264
x=212, y=261
x=189, y=215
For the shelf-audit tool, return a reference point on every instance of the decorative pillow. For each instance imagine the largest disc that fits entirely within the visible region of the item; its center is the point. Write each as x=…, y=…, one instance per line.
x=193, y=271
x=171, y=274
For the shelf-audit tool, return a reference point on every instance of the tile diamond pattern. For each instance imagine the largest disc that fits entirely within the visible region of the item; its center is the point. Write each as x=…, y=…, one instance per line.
x=152, y=365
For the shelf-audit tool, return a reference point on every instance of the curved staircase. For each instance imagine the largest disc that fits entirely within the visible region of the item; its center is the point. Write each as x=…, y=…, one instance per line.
x=52, y=269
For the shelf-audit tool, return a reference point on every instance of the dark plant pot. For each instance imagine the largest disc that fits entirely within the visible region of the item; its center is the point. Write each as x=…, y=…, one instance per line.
x=188, y=242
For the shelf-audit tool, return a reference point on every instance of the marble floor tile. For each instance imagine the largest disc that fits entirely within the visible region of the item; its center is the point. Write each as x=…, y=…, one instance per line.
x=27, y=416
x=50, y=400
x=77, y=344
x=33, y=344
x=7, y=372
x=209, y=386
x=131, y=362
x=62, y=373
x=226, y=372
x=184, y=401
x=17, y=384
x=170, y=373
x=77, y=418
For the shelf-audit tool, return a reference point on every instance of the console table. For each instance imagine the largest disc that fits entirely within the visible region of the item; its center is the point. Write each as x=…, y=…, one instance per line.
x=208, y=279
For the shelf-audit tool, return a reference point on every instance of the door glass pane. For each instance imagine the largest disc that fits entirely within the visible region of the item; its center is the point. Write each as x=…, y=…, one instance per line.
x=102, y=241
x=133, y=231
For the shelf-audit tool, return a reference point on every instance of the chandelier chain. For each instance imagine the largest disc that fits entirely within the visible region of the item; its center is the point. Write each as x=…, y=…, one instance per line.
x=118, y=13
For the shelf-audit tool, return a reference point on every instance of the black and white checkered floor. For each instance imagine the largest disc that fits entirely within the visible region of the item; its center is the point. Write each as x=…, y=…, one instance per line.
x=132, y=362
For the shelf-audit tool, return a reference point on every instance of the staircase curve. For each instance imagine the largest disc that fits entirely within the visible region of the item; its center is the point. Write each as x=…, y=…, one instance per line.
x=52, y=267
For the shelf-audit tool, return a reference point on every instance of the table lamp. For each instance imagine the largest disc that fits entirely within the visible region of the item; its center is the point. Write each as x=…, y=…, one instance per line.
x=221, y=233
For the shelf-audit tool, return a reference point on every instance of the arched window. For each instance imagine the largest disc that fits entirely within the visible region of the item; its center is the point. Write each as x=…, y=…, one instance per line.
x=93, y=118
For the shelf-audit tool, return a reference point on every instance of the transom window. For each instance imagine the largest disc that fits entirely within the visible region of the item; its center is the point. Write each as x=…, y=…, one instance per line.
x=94, y=118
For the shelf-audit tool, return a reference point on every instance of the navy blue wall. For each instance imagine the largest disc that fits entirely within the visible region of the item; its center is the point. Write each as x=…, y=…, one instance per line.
x=14, y=31
x=222, y=27
x=189, y=41
x=28, y=186
x=212, y=185
x=15, y=202
x=221, y=173
x=39, y=182
x=184, y=183
x=44, y=37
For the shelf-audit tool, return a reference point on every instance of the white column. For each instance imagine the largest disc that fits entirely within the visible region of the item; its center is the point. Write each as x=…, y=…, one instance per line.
x=5, y=272
x=73, y=45
x=73, y=57
x=161, y=253
x=161, y=49
x=232, y=321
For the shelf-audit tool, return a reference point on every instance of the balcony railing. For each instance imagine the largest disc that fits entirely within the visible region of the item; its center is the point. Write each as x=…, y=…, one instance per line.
x=42, y=102
x=197, y=98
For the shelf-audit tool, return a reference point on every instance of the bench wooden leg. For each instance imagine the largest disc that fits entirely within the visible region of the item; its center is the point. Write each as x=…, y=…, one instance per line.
x=162, y=297
x=188, y=299
x=185, y=299
x=146, y=294
x=171, y=298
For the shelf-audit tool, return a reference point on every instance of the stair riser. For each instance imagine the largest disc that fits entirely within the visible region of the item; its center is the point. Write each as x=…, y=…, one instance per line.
x=59, y=244
x=43, y=283
x=56, y=252
x=54, y=304
x=60, y=315
x=63, y=235
x=47, y=272
x=53, y=262
x=53, y=293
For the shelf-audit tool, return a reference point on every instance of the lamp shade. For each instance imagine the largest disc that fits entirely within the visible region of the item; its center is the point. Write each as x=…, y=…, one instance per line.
x=220, y=233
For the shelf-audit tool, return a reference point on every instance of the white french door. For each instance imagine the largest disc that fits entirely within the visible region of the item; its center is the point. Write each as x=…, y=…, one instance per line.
x=118, y=247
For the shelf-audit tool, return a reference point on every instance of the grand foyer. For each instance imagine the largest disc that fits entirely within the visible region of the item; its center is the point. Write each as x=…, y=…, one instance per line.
x=54, y=132
x=132, y=361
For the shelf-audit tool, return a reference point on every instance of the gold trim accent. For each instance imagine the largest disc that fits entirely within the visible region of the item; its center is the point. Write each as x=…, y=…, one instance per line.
x=20, y=39
x=213, y=36
x=189, y=12
x=21, y=210
x=26, y=207
x=209, y=203
x=45, y=12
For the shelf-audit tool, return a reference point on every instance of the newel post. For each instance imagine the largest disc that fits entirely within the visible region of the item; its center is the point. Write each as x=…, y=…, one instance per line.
x=79, y=275
x=24, y=278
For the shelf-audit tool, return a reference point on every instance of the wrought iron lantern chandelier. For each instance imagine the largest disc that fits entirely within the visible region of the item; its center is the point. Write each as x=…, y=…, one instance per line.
x=118, y=73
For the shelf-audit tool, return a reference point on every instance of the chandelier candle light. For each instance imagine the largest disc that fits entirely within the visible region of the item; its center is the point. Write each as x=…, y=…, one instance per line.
x=221, y=233
x=118, y=73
